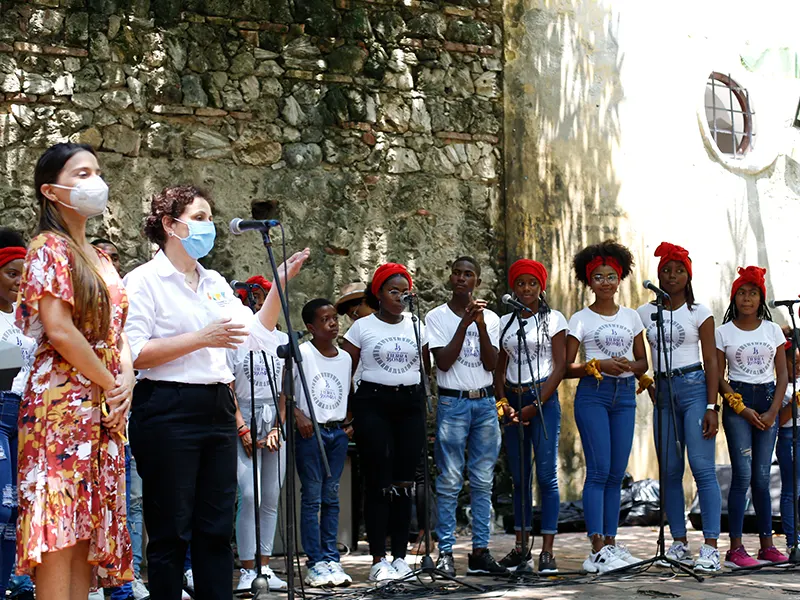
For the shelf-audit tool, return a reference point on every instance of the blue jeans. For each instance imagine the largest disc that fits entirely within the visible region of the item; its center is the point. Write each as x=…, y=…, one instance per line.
x=751, y=457
x=135, y=517
x=605, y=412
x=125, y=591
x=545, y=453
x=784, y=453
x=9, y=411
x=690, y=408
x=319, y=494
x=468, y=425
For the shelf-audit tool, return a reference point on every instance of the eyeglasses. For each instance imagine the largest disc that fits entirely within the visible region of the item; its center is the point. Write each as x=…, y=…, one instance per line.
x=610, y=278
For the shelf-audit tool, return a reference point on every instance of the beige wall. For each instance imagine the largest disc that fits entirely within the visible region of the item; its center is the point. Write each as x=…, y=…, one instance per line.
x=603, y=140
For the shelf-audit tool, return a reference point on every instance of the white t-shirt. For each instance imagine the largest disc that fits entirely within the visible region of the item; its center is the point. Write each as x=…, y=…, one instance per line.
x=606, y=337
x=328, y=383
x=388, y=352
x=12, y=334
x=239, y=363
x=467, y=373
x=539, y=342
x=750, y=354
x=787, y=398
x=682, y=328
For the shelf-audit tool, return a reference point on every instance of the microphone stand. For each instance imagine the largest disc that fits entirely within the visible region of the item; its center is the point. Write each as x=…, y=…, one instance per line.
x=661, y=554
x=524, y=567
x=427, y=566
x=290, y=352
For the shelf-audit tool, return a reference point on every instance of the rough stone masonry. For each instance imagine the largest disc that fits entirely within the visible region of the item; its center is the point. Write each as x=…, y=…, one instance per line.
x=371, y=128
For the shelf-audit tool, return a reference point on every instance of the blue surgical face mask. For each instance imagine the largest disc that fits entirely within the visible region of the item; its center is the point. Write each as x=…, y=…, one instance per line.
x=200, y=240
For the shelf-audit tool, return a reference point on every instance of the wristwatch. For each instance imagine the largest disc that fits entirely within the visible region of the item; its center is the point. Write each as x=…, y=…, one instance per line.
x=712, y=407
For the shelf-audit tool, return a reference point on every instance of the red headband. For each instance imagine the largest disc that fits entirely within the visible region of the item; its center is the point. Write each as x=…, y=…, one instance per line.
x=753, y=275
x=597, y=261
x=669, y=252
x=11, y=253
x=525, y=266
x=258, y=279
x=385, y=271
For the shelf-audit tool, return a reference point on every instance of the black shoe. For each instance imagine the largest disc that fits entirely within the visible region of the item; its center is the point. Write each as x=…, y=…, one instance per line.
x=446, y=564
x=484, y=564
x=547, y=563
x=514, y=559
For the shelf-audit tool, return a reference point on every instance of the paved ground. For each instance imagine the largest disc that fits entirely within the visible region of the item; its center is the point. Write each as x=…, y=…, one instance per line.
x=571, y=549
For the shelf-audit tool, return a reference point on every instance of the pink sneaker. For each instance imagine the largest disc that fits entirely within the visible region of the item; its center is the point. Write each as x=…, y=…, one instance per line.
x=740, y=559
x=772, y=555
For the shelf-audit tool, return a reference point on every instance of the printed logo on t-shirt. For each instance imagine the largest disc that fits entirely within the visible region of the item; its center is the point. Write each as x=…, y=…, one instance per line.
x=754, y=358
x=512, y=349
x=327, y=391
x=261, y=380
x=613, y=339
x=10, y=336
x=470, y=355
x=674, y=334
x=396, y=354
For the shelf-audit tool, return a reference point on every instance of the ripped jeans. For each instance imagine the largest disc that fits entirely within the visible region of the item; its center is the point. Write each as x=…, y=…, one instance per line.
x=319, y=494
x=388, y=425
x=751, y=458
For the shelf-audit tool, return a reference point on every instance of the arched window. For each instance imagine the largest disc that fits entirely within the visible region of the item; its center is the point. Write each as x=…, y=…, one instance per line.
x=729, y=115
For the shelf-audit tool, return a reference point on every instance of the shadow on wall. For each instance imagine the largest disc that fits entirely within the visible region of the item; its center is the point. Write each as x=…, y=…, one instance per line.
x=563, y=91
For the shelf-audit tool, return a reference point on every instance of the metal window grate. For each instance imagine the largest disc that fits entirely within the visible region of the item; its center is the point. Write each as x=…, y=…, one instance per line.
x=742, y=141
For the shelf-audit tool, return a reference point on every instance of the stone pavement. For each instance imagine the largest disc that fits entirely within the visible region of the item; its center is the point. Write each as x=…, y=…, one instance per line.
x=571, y=549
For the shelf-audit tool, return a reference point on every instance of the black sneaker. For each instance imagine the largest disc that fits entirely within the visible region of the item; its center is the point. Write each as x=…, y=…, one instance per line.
x=446, y=564
x=547, y=563
x=514, y=559
x=484, y=564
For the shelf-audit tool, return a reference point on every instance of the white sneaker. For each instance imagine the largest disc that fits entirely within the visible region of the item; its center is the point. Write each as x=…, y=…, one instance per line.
x=382, y=571
x=340, y=578
x=678, y=552
x=189, y=576
x=246, y=578
x=708, y=561
x=603, y=561
x=185, y=595
x=276, y=584
x=97, y=595
x=140, y=591
x=401, y=566
x=319, y=575
x=624, y=555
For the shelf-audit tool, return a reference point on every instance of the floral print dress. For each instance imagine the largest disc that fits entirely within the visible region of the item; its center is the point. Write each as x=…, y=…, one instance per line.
x=71, y=468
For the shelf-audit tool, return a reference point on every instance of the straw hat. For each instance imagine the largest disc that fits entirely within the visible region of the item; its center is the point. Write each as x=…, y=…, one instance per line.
x=351, y=291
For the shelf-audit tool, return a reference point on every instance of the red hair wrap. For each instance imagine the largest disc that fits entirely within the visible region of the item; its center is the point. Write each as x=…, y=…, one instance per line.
x=11, y=253
x=609, y=261
x=257, y=279
x=525, y=266
x=387, y=270
x=669, y=252
x=753, y=275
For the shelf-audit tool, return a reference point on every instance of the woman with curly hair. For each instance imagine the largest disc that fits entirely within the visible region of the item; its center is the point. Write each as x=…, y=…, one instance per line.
x=751, y=346
x=605, y=403
x=182, y=320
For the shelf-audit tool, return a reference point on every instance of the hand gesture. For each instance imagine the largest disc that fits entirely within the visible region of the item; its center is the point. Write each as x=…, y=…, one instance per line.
x=768, y=418
x=292, y=266
x=509, y=415
x=273, y=440
x=304, y=425
x=752, y=417
x=527, y=413
x=118, y=400
x=247, y=444
x=222, y=334
x=615, y=366
x=349, y=431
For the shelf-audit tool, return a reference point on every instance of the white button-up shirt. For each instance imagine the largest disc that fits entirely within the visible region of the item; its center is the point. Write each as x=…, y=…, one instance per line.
x=163, y=306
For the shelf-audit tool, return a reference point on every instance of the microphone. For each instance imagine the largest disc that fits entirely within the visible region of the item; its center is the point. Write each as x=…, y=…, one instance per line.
x=408, y=298
x=285, y=350
x=787, y=303
x=508, y=300
x=243, y=285
x=239, y=225
x=649, y=285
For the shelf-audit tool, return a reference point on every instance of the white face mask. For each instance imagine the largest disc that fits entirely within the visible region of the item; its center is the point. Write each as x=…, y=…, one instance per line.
x=89, y=198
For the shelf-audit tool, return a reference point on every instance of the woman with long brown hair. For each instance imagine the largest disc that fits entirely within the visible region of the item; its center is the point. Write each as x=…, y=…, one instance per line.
x=71, y=459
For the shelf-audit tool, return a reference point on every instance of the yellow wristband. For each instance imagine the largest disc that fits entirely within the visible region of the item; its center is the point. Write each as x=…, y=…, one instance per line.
x=645, y=381
x=735, y=402
x=593, y=368
x=500, y=404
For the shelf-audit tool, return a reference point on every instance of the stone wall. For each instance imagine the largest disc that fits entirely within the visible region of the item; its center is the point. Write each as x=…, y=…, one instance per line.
x=371, y=128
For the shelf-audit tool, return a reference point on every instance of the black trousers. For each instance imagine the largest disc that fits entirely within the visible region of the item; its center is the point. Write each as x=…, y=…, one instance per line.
x=183, y=437
x=389, y=436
